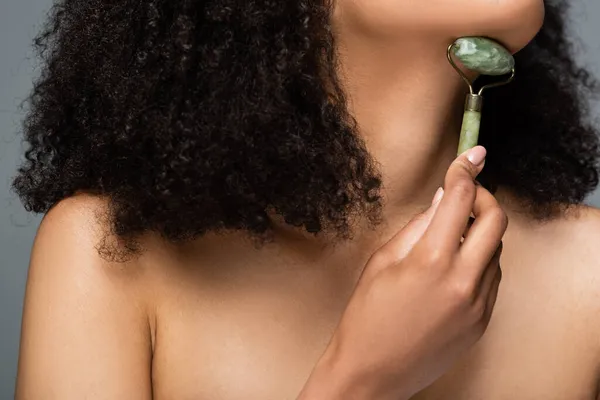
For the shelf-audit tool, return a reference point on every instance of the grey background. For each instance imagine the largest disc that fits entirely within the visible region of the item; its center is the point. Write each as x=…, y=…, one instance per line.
x=19, y=21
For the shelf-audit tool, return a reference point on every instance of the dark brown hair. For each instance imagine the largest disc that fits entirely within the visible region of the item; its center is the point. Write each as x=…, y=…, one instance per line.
x=195, y=116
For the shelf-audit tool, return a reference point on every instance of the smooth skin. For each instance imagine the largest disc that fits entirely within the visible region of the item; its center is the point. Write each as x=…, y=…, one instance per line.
x=219, y=319
x=97, y=330
x=426, y=278
x=83, y=321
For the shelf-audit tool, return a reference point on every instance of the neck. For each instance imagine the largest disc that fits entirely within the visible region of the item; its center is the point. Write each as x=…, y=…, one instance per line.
x=408, y=101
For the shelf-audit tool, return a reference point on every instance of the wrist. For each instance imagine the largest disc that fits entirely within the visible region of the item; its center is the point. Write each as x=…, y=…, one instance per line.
x=336, y=378
x=328, y=382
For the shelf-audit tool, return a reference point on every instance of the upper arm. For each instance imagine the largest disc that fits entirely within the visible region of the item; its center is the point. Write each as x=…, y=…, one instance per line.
x=85, y=328
x=588, y=289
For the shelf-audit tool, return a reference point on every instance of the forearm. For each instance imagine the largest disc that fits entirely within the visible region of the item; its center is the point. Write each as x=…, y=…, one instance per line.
x=335, y=380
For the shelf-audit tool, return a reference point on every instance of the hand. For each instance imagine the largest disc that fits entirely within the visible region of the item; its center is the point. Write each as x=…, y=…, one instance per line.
x=423, y=299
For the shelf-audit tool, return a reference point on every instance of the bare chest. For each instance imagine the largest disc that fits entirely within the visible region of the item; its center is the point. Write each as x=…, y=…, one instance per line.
x=260, y=340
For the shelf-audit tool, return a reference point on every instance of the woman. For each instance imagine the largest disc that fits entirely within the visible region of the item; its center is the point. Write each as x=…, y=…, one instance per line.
x=239, y=205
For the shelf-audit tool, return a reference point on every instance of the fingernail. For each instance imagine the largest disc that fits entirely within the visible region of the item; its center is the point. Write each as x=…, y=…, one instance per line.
x=476, y=155
x=438, y=196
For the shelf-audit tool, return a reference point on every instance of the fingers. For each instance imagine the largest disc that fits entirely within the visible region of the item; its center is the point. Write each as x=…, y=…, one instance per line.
x=401, y=244
x=451, y=219
x=468, y=228
x=437, y=197
x=489, y=275
x=493, y=295
x=487, y=230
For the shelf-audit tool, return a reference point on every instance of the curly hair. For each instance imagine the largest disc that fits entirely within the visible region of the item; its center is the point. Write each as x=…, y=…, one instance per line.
x=193, y=117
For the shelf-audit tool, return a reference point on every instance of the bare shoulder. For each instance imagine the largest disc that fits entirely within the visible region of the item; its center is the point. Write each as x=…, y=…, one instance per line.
x=572, y=239
x=562, y=253
x=583, y=215
x=565, y=255
x=85, y=331
x=73, y=224
x=74, y=238
x=579, y=235
x=578, y=232
x=553, y=278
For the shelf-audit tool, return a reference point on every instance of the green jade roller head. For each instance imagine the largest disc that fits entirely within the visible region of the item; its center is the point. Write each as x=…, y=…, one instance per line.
x=486, y=57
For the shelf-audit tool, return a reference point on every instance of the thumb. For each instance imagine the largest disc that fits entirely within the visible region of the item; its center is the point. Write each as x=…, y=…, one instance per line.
x=403, y=242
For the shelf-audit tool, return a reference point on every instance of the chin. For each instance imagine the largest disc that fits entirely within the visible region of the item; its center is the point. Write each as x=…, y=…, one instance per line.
x=512, y=22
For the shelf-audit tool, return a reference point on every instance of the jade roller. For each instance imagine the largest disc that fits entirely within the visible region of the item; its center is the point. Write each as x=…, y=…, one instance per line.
x=486, y=57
